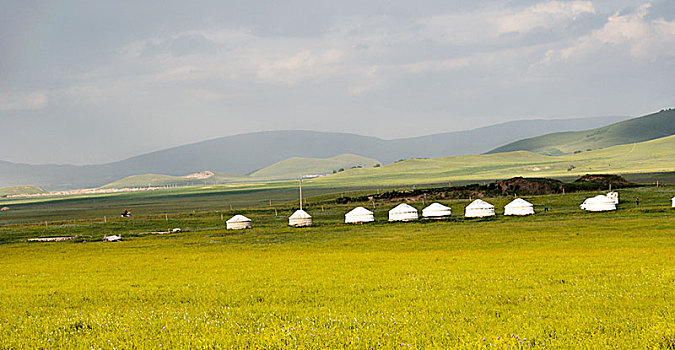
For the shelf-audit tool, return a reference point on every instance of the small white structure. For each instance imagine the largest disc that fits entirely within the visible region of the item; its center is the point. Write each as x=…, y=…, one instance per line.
x=113, y=238
x=300, y=219
x=359, y=215
x=598, y=203
x=238, y=222
x=519, y=206
x=673, y=200
x=613, y=196
x=479, y=209
x=436, y=211
x=403, y=212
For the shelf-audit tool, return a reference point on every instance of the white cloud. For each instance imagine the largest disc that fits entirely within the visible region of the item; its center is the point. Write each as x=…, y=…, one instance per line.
x=32, y=101
x=481, y=26
x=303, y=65
x=544, y=15
x=633, y=34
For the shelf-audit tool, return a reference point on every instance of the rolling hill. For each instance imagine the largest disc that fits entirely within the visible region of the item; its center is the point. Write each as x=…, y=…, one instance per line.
x=645, y=128
x=654, y=156
x=243, y=154
x=296, y=167
x=287, y=169
x=158, y=180
x=14, y=190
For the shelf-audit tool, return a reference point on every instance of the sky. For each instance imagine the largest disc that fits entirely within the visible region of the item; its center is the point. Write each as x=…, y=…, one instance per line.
x=85, y=82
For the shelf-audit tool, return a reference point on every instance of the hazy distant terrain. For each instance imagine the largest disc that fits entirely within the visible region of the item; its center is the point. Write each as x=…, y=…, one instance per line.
x=645, y=128
x=246, y=153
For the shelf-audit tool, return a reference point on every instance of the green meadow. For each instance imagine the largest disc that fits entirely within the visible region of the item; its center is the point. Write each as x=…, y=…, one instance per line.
x=561, y=279
x=655, y=156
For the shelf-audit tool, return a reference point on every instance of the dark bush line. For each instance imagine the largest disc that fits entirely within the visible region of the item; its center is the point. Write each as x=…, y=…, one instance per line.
x=514, y=186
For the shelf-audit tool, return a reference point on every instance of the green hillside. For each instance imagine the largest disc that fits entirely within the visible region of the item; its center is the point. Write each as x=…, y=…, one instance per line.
x=167, y=180
x=653, y=156
x=645, y=128
x=296, y=167
x=291, y=168
x=14, y=190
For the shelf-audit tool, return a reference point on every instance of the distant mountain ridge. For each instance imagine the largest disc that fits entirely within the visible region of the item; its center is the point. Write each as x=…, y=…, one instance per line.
x=649, y=127
x=243, y=154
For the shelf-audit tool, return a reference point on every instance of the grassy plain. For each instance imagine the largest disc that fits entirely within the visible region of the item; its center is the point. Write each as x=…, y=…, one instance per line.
x=651, y=156
x=561, y=279
x=8, y=191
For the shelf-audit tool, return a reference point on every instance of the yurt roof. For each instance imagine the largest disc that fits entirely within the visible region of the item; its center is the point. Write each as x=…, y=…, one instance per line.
x=598, y=200
x=300, y=214
x=403, y=208
x=360, y=211
x=239, y=218
x=517, y=203
x=436, y=206
x=480, y=204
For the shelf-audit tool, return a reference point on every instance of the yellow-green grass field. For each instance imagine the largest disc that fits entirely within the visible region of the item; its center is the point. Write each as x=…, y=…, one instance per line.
x=561, y=279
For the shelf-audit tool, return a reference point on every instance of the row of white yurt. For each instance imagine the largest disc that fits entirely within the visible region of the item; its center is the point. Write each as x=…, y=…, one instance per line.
x=477, y=208
x=299, y=219
x=405, y=212
x=598, y=203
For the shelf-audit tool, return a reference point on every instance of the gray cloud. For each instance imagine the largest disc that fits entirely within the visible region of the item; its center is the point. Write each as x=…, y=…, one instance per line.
x=100, y=81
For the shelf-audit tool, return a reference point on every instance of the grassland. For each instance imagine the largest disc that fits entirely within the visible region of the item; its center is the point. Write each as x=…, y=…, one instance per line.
x=561, y=279
x=168, y=180
x=14, y=190
x=649, y=127
x=292, y=168
x=651, y=156
x=297, y=167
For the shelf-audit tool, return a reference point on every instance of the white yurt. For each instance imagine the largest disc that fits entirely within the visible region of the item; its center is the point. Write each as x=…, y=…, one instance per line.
x=479, y=209
x=598, y=203
x=238, y=222
x=403, y=212
x=673, y=200
x=436, y=211
x=359, y=215
x=519, y=206
x=613, y=196
x=300, y=219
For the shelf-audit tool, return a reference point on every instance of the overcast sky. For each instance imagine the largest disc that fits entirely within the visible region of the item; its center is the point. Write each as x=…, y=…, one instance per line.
x=96, y=81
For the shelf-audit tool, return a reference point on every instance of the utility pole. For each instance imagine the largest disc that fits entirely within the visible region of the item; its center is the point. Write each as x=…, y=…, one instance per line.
x=300, y=193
